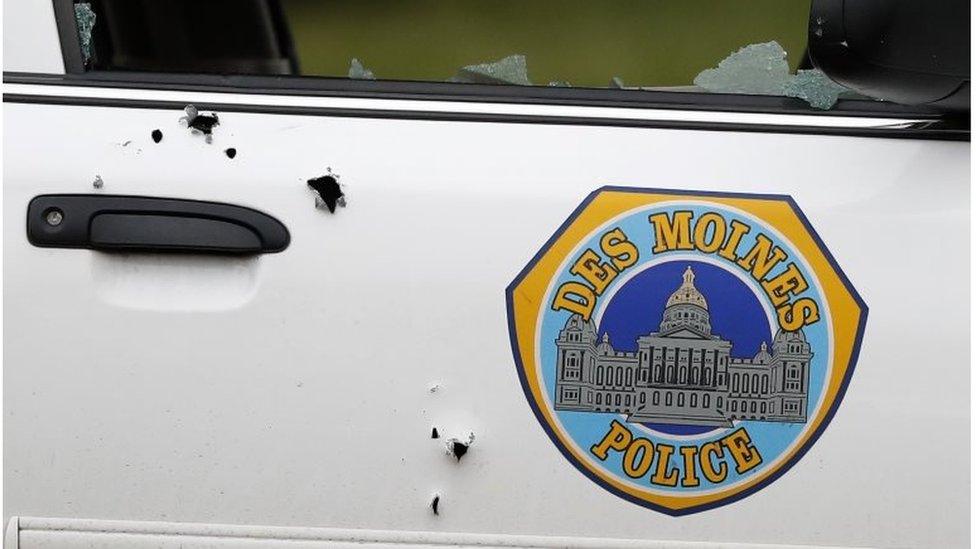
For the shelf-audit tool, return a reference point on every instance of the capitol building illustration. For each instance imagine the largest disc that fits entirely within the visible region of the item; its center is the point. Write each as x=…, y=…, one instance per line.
x=682, y=374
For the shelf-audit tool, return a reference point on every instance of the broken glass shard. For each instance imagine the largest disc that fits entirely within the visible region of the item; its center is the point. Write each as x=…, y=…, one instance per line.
x=510, y=70
x=85, y=21
x=358, y=72
x=759, y=69
x=815, y=88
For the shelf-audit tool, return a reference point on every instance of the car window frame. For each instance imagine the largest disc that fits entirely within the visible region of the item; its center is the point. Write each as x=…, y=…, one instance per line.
x=931, y=122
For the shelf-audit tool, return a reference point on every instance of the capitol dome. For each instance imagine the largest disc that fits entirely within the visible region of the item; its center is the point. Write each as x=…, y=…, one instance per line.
x=687, y=292
x=687, y=308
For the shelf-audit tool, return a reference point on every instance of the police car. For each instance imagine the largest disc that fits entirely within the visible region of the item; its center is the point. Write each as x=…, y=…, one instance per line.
x=283, y=273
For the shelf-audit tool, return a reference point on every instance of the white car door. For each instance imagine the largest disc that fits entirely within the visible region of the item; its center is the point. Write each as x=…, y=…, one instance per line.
x=340, y=326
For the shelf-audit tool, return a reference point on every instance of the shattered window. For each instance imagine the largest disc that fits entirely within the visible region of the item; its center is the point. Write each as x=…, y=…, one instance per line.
x=748, y=47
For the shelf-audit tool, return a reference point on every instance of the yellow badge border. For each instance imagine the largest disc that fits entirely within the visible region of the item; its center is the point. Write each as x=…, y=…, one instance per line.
x=848, y=313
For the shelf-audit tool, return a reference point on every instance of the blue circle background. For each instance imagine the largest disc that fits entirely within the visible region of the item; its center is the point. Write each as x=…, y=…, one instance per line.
x=734, y=311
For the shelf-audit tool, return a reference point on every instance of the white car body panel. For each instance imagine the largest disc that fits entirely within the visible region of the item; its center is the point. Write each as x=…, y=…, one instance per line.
x=293, y=389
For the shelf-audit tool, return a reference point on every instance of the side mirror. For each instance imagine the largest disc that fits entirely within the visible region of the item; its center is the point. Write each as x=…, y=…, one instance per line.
x=911, y=52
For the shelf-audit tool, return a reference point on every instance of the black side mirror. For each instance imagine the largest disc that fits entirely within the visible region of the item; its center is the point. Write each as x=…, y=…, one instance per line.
x=913, y=52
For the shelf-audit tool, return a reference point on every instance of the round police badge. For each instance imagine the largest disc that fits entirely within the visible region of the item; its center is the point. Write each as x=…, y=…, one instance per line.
x=684, y=349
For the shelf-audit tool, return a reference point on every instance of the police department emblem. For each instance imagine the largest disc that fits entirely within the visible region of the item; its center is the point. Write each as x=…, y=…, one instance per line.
x=683, y=350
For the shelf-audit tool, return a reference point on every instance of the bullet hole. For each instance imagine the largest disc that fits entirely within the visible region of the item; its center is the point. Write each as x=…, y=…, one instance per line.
x=157, y=136
x=458, y=449
x=231, y=152
x=98, y=183
x=434, y=433
x=205, y=123
x=434, y=388
x=435, y=503
x=200, y=123
x=329, y=193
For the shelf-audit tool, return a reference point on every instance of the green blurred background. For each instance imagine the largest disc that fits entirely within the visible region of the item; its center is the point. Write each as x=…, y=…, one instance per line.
x=645, y=42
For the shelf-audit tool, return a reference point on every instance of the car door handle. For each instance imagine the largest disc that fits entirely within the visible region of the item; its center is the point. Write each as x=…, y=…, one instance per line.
x=151, y=224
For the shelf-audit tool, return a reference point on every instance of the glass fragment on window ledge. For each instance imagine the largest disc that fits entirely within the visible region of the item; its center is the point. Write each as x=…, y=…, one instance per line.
x=359, y=72
x=762, y=69
x=509, y=70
